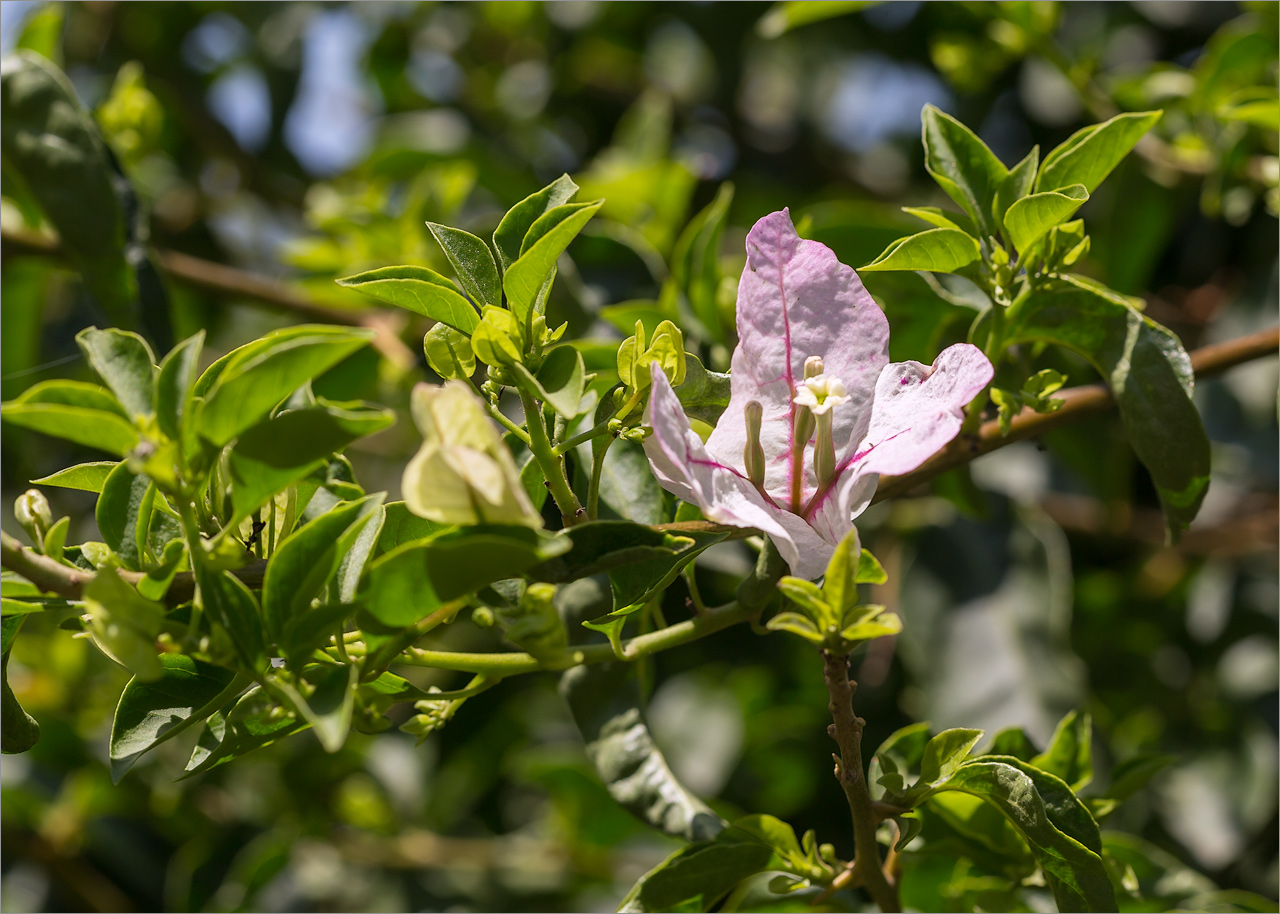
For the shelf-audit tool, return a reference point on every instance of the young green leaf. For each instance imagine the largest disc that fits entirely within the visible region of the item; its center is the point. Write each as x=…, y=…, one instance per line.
x=420, y=290
x=870, y=571
x=499, y=338
x=174, y=384
x=149, y=713
x=940, y=250
x=449, y=352
x=840, y=584
x=942, y=218
x=547, y=239
x=472, y=260
x=509, y=236
x=944, y=754
x=125, y=362
x=1089, y=155
x=962, y=165
x=123, y=513
x=87, y=477
x=1018, y=184
x=248, y=386
x=306, y=560
x=1150, y=376
x=83, y=413
x=281, y=450
x=1070, y=752
x=1029, y=218
x=559, y=381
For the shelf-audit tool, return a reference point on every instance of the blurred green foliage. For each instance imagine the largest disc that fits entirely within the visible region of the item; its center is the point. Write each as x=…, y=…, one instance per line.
x=306, y=142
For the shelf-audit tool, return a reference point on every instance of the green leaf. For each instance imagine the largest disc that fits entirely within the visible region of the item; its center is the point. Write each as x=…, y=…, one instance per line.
x=944, y=754
x=601, y=546
x=870, y=571
x=703, y=394
x=1089, y=155
x=329, y=707
x=694, y=878
x=942, y=218
x=1017, y=185
x=419, y=290
x=796, y=624
x=897, y=756
x=288, y=447
x=499, y=338
x=1150, y=376
x=87, y=477
x=51, y=142
x=509, y=236
x=400, y=526
x=962, y=165
x=473, y=261
x=840, y=583
x=303, y=564
x=18, y=729
x=809, y=597
x=1133, y=774
x=174, y=383
x=1012, y=741
x=84, y=413
x=635, y=583
x=559, y=381
x=250, y=384
x=252, y=723
x=125, y=362
x=1030, y=218
x=149, y=713
x=231, y=604
x=419, y=577
x=546, y=241
x=1062, y=835
x=940, y=250
x=123, y=623
x=791, y=14
x=123, y=513
x=1070, y=753
x=449, y=352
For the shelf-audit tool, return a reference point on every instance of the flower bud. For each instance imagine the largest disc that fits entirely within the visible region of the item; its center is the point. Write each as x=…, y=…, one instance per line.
x=824, y=450
x=482, y=616
x=449, y=352
x=33, y=514
x=813, y=366
x=753, y=452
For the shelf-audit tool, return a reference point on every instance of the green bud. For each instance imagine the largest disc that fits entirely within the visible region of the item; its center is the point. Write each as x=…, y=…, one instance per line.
x=482, y=616
x=753, y=452
x=499, y=338
x=667, y=349
x=449, y=353
x=33, y=514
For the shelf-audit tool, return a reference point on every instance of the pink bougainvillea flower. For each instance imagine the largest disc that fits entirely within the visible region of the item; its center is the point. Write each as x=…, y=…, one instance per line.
x=816, y=412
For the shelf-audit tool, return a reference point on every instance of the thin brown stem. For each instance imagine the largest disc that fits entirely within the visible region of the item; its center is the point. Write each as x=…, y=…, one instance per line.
x=846, y=729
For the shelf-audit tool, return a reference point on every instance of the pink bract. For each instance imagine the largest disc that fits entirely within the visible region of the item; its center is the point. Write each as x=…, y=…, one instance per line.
x=796, y=300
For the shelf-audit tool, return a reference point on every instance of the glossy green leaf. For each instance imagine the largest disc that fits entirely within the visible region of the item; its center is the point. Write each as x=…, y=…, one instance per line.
x=400, y=526
x=499, y=338
x=252, y=723
x=1030, y=218
x=1060, y=831
x=83, y=413
x=279, y=451
x=703, y=394
x=303, y=564
x=962, y=165
x=1089, y=155
x=942, y=218
x=473, y=262
x=1070, y=752
x=601, y=546
x=420, y=290
x=546, y=241
x=19, y=731
x=940, y=250
x=174, y=385
x=417, y=578
x=249, y=385
x=449, y=352
x=125, y=363
x=149, y=713
x=1150, y=376
x=1018, y=183
x=509, y=236
x=944, y=753
x=53, y=144
x=123, y=513
x=87, y=477
x=559, y=381
x=229, y=603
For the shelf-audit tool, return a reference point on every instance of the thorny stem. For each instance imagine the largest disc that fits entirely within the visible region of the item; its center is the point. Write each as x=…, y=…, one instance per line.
x=552, y=466
x=846, y=730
